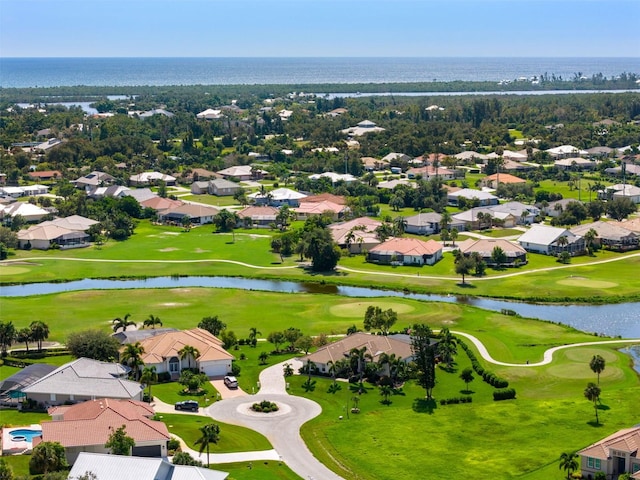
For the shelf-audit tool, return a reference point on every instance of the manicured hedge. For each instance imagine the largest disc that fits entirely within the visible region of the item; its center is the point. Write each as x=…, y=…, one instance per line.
x=488, y=376
x=455, y=400
x=505, y=394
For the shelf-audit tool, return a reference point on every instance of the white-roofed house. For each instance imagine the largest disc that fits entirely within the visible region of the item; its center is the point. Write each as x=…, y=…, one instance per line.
x=423, y=223
x=575, y=163
x=28, y=211
x=565, y=151
x=364, y=127
x=151, y=178
x=210, y=114
x=470, y=195
x=549, y=241
x=278, y=197
x=83, y=379
x=120, y=467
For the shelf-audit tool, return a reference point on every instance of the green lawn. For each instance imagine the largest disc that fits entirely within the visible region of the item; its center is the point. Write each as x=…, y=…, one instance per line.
x=212, y=200
x=172, y=392
x=232, y=437
x=264, y=470
x=509, y=439
x=171, y=251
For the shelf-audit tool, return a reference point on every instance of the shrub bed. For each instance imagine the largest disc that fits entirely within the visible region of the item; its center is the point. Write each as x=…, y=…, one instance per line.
x=264, y=406
x=455, y=400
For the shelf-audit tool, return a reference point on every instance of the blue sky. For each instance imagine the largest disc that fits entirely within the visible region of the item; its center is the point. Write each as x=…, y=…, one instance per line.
x=301, y=28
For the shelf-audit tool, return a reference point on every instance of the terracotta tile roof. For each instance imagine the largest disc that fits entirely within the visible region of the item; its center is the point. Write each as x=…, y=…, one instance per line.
x=408, y=246
x=503, y=178
x=258, y=212
x=328, y=197
x=46, y=174
x=91, y=422
x=627, y=440
x=159, y=203
x=485, y=247
x=167, y=345
x=319, y=208
x=375, y=345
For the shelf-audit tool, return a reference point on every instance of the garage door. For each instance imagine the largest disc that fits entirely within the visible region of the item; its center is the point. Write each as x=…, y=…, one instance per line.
x=147, y=451
x=215, y=369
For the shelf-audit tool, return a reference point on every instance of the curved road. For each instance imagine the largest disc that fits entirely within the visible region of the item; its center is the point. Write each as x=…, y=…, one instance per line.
x=282, y=428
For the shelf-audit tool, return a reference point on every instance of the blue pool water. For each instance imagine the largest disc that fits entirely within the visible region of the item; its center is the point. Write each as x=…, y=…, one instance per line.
x=27, y=434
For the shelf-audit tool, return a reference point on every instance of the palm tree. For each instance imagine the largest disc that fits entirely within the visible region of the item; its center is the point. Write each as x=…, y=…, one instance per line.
x=386, y=391
x=210, y=434
x=24, y=335
x=253, y=335
x=592, y=393
x=152, y=321
x=445, y=235
x=453, y=234
x=445, y=220
x=563, y=241
x=149, y=376
x=590, y=238
x=188, y=352
x=132, y=356
x=568, y=463
x=332, y=370
x=597, y=365
x=399, y=226
x=122, y=323
x=360, y=356
x=39, y=332
x=447, y=346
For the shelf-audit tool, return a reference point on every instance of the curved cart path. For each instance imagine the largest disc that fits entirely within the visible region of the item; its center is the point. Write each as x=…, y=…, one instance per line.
x=547, y=356
x=345, y=269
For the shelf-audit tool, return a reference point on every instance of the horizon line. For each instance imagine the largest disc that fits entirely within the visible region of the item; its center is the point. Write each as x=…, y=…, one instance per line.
x=7, y=57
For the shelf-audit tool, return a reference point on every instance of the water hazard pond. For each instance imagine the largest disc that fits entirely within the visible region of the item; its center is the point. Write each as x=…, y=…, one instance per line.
x=616, y=319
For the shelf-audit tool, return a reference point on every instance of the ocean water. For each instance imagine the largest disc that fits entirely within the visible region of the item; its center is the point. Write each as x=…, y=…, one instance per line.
x=49, y=72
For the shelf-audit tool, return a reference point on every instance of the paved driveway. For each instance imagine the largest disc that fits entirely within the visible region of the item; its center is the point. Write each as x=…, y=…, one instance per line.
x=225, y=392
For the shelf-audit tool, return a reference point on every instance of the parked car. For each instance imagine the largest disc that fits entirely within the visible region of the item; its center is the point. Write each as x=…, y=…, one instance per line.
x=191, y=405
x=231, y=382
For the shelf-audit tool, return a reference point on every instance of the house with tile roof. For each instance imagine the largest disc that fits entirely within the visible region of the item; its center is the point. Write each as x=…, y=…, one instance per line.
x=406, y=251
x=86, y=427
x=514, y=254
x=119, y=467
x=375, y=346
x=83, y=379
x=254, y=216
x=610, y=235
x=161, y=351
x=492, y=181
x=310, y=209
x=356, y=235
x=197, y=214
x=614, y=455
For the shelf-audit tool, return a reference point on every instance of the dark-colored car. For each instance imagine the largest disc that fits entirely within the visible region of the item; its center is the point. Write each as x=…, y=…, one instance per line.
x=231, y=382
x=191, y=405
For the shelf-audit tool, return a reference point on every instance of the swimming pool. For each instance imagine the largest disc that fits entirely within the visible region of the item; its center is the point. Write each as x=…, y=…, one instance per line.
x=24, y=434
